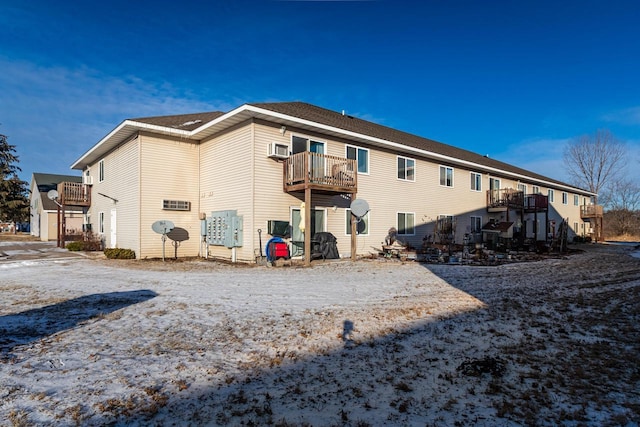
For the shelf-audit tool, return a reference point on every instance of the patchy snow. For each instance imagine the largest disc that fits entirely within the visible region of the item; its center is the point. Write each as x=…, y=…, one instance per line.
x=375, y=342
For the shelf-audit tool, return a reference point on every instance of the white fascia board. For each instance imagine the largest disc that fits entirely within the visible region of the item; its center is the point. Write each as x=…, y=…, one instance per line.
x=224, y=117
x=135, y=125
x=405, y=148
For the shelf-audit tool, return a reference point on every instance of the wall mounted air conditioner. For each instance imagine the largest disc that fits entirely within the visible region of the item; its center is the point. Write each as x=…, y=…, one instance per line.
x=278, y=151
x=87, y=180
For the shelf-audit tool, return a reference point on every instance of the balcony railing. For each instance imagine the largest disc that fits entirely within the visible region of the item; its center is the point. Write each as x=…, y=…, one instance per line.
x=74, y=194
x=320, y=172
x=505, y=198
x=591, y=211
x=536, y=202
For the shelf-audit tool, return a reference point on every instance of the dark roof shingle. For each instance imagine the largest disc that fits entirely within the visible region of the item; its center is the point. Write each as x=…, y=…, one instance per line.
x=327, y=117
x=181, y=121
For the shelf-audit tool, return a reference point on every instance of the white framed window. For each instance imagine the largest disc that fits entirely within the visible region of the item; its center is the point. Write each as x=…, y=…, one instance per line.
x=446, y=176
x=360, y=155
x=406, y=169
x=535, y=189
x=476, y=224
x=575, y=227
x=550, y=195
x=576, y=200
x=101, y=222
x=523, y=188
x=101, y=170
x=476, y=181
x=494, y=183
x=362, y=226
x=406, y=224
x=565, y=198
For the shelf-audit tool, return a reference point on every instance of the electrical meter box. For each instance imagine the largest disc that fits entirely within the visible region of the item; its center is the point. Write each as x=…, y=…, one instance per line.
x=224, y=228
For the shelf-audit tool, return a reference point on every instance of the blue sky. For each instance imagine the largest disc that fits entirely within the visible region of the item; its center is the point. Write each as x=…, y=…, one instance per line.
x=514, y=80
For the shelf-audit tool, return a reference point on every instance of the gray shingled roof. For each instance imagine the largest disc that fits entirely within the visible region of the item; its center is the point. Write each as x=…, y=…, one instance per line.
x=312, y=113
x=181, y=121
x=331, y=118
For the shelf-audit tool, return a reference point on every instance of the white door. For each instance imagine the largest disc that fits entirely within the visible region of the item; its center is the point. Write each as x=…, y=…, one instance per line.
x=113, y=228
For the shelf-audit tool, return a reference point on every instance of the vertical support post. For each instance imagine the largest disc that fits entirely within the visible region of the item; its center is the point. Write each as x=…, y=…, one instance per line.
x=307, y=225
x=63, y=225
x=354, y=230
x=58, y=228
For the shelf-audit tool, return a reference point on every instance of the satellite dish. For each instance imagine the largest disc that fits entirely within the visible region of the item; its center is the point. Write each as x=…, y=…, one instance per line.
x=52, y=194
x=162, y=227
x=359, y=208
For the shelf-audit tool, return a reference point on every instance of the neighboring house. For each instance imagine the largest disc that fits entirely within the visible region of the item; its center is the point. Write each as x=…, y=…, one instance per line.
x=299, y=163
x=44, y=211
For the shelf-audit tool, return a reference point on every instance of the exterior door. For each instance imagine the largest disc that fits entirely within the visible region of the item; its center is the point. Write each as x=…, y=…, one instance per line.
x=112, y=241
x=301, y=145
x=297, y=236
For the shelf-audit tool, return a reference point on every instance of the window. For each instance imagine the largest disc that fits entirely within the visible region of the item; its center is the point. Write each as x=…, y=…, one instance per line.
x=446, y=176
x=101, y=223
x=406, y=224
x=406, y=169
x=176, y=205
x=476, y=181
x=575, y=227
x=565, y=198
x=362, y=227
x=576, y=200
x=535, y=189
x=101, y=170
x=361, y=156
x=523, y=188
x=476, y=224
x=550, y=195
x=494, y=183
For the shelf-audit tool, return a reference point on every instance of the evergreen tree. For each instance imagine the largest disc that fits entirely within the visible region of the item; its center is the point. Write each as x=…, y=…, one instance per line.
x=14, y=205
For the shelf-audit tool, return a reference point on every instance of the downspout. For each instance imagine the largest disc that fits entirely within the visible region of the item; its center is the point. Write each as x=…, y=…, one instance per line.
x=140, y=232
x=253, y=187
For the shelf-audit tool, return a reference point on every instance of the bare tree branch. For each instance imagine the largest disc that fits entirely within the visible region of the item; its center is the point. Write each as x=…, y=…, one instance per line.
x=593, y=161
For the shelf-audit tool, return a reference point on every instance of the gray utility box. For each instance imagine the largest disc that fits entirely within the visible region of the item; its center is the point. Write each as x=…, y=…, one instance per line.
x=224, y=228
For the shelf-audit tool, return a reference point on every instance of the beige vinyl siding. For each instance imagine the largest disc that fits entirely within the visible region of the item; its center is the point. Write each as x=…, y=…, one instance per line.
x=49, y=226
x=170, y=169
x=270, y=200
x=120, y=183
x=226, y=175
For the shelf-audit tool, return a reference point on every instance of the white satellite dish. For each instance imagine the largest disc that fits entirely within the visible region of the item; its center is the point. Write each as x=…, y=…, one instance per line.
x=359, y=208
x=163, y=226
x=52, y=194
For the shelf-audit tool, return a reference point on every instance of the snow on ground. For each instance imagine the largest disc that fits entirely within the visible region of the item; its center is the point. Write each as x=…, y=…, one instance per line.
x=367, y=343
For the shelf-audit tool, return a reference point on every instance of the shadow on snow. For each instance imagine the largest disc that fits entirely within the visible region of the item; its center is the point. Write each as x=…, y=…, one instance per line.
x=32, y=325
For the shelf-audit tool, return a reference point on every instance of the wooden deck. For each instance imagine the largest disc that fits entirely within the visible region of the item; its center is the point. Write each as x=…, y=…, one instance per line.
x=321, y=173
x=74, y=194
x=591, y=211
x=502, y=199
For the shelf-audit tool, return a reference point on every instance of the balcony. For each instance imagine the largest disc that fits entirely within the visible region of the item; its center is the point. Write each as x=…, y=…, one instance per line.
x=74, y=194
x=319, y=172
x=502, y=199
x=536, y=202
x=591, y=211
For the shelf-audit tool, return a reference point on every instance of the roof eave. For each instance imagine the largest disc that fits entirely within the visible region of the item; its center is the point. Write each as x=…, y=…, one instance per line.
x=120, y=134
